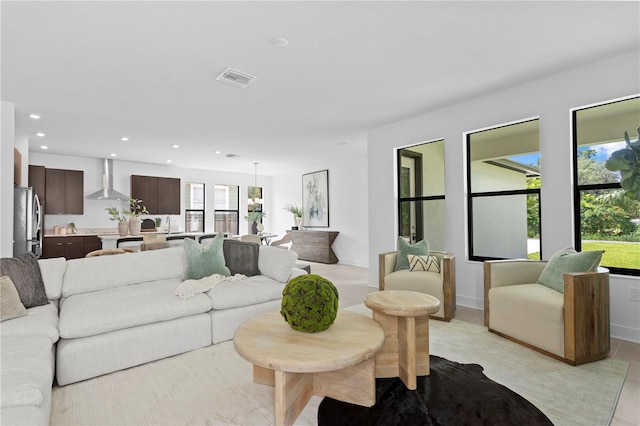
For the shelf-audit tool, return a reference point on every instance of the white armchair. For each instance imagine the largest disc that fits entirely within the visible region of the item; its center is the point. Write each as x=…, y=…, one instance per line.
x=572, y=326
x=439, y=285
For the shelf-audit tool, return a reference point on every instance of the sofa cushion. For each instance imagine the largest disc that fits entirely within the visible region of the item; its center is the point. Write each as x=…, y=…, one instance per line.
x=24, y=271
x=532, y=313
x=39, y=321
x=97, y=273
x=10, y=304
x=423, y=263
x=26, y=370
x=565, y=261
x=405, y=249
x=52, y=271
x=202, y=261
x=241, y=257
x=250, y=291
x=88, y=314
x=276, y=263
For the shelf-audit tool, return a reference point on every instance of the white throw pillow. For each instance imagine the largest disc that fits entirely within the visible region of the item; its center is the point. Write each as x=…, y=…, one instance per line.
x=423, y=263
x=276, y=263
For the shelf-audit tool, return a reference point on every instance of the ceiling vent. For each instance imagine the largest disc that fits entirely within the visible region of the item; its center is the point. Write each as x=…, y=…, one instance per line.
x=236, y=78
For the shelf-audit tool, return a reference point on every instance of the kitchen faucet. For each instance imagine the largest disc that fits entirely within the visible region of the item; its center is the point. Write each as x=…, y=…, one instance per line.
x=168, y=225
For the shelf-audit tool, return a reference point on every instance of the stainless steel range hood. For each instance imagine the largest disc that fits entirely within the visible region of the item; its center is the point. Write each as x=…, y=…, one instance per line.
x=107, y=192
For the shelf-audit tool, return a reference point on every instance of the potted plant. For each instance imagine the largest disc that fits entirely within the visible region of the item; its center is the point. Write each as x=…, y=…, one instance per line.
x=254, y=218
x=135, y=210
x=627, y=161
x=297, y=214
x=121, y=218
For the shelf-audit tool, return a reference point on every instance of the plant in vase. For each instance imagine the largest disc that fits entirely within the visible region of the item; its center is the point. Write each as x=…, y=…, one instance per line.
x=121, y=218
x=135, y=210
x=297, y=214
x=255, y=218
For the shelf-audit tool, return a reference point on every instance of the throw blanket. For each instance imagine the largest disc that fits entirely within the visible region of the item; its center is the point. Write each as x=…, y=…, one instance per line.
x=190, y=288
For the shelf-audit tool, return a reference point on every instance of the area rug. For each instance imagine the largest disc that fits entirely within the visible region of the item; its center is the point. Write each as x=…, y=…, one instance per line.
x=452, y=394
x=213, y=385
x=568, y=395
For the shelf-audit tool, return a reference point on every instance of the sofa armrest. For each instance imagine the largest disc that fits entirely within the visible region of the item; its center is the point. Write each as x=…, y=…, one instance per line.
x=499, y=273
x=586, y=316
x=386, y=265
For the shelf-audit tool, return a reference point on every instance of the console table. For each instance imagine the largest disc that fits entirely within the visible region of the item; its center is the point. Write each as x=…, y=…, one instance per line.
x=314, y=246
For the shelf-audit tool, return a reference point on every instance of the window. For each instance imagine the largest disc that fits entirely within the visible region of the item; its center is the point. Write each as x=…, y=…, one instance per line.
x=226, y=205
x=503, y=181
x=194, y=207
x=606, y=215
x=421, y=193
x=255, y=204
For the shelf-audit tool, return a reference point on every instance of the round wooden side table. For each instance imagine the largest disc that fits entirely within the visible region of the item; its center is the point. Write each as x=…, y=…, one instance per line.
x=404, y=317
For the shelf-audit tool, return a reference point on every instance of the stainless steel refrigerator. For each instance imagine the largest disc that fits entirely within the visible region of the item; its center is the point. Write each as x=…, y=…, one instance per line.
x=27, y=222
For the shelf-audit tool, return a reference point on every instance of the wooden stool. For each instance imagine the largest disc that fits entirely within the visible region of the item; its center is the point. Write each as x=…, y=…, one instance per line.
x=404, y=317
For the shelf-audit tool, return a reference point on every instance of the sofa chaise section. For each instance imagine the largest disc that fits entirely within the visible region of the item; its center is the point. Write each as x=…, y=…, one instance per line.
x=27, y=350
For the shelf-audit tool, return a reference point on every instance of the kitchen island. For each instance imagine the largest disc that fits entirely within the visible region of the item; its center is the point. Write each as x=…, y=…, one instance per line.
x=61, y=242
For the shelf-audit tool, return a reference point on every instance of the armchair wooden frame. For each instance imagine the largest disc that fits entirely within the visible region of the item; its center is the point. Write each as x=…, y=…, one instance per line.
x=448, y=273
x=586, y=308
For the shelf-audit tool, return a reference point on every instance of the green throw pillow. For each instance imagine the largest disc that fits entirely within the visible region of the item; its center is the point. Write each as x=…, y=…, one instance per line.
x=202, y=261
x=420, y=248
x=568, y=260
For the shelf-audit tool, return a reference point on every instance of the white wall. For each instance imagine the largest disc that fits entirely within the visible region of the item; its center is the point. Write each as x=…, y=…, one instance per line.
x=6, y=179
x=551, y=99
x=348, y=194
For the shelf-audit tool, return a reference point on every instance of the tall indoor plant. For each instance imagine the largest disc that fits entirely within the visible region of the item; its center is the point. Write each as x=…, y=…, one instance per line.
x=627, y=161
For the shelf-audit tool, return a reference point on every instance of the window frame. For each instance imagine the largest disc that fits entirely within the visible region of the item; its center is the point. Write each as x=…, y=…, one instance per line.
x=406, y=152
x=578, y=188
x=471, y=195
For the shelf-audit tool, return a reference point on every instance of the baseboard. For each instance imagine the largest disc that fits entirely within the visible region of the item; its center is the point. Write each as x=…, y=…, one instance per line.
x=628, y=334
x=469, y=302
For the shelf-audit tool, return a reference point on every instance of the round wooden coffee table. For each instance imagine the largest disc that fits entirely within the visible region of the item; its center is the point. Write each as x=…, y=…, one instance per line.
x=338, y=362
x=404, y=316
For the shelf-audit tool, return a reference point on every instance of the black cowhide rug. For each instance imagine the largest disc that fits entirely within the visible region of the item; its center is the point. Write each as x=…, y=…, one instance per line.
x=453, y=394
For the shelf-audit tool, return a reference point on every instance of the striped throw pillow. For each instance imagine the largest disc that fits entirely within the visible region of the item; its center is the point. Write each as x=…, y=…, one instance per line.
x=423, y=263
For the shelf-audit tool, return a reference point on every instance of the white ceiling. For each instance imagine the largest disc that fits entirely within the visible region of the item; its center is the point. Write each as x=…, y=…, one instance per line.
x=99, y=70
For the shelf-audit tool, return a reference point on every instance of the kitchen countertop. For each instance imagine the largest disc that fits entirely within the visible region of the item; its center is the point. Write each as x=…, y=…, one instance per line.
x=110, y=233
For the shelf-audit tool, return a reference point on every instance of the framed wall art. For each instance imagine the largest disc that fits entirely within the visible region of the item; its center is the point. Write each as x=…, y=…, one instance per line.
x=315, y=199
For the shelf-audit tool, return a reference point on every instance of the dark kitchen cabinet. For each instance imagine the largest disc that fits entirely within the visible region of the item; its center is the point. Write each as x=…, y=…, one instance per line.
x=70, y=247
x=64, y=191
x=160, y=195
x=37, y=182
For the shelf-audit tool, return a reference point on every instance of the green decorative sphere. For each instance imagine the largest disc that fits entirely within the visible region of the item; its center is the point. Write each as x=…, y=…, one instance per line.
x=309, y=303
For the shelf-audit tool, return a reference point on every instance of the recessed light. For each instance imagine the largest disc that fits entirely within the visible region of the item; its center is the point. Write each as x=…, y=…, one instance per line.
x=168, y=161
x=40, y=134
x=175, y=145
x=35, y=116
x=113, y=154
x=218, y=152
x=124, y=139
x=280, y=42
x=44, y=147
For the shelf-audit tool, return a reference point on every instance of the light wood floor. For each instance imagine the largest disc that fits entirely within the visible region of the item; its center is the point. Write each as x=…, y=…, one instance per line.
x=352, y=285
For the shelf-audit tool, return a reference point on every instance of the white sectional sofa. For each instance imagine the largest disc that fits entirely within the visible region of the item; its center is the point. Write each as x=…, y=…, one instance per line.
x=109, y=313
x=27, y=355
